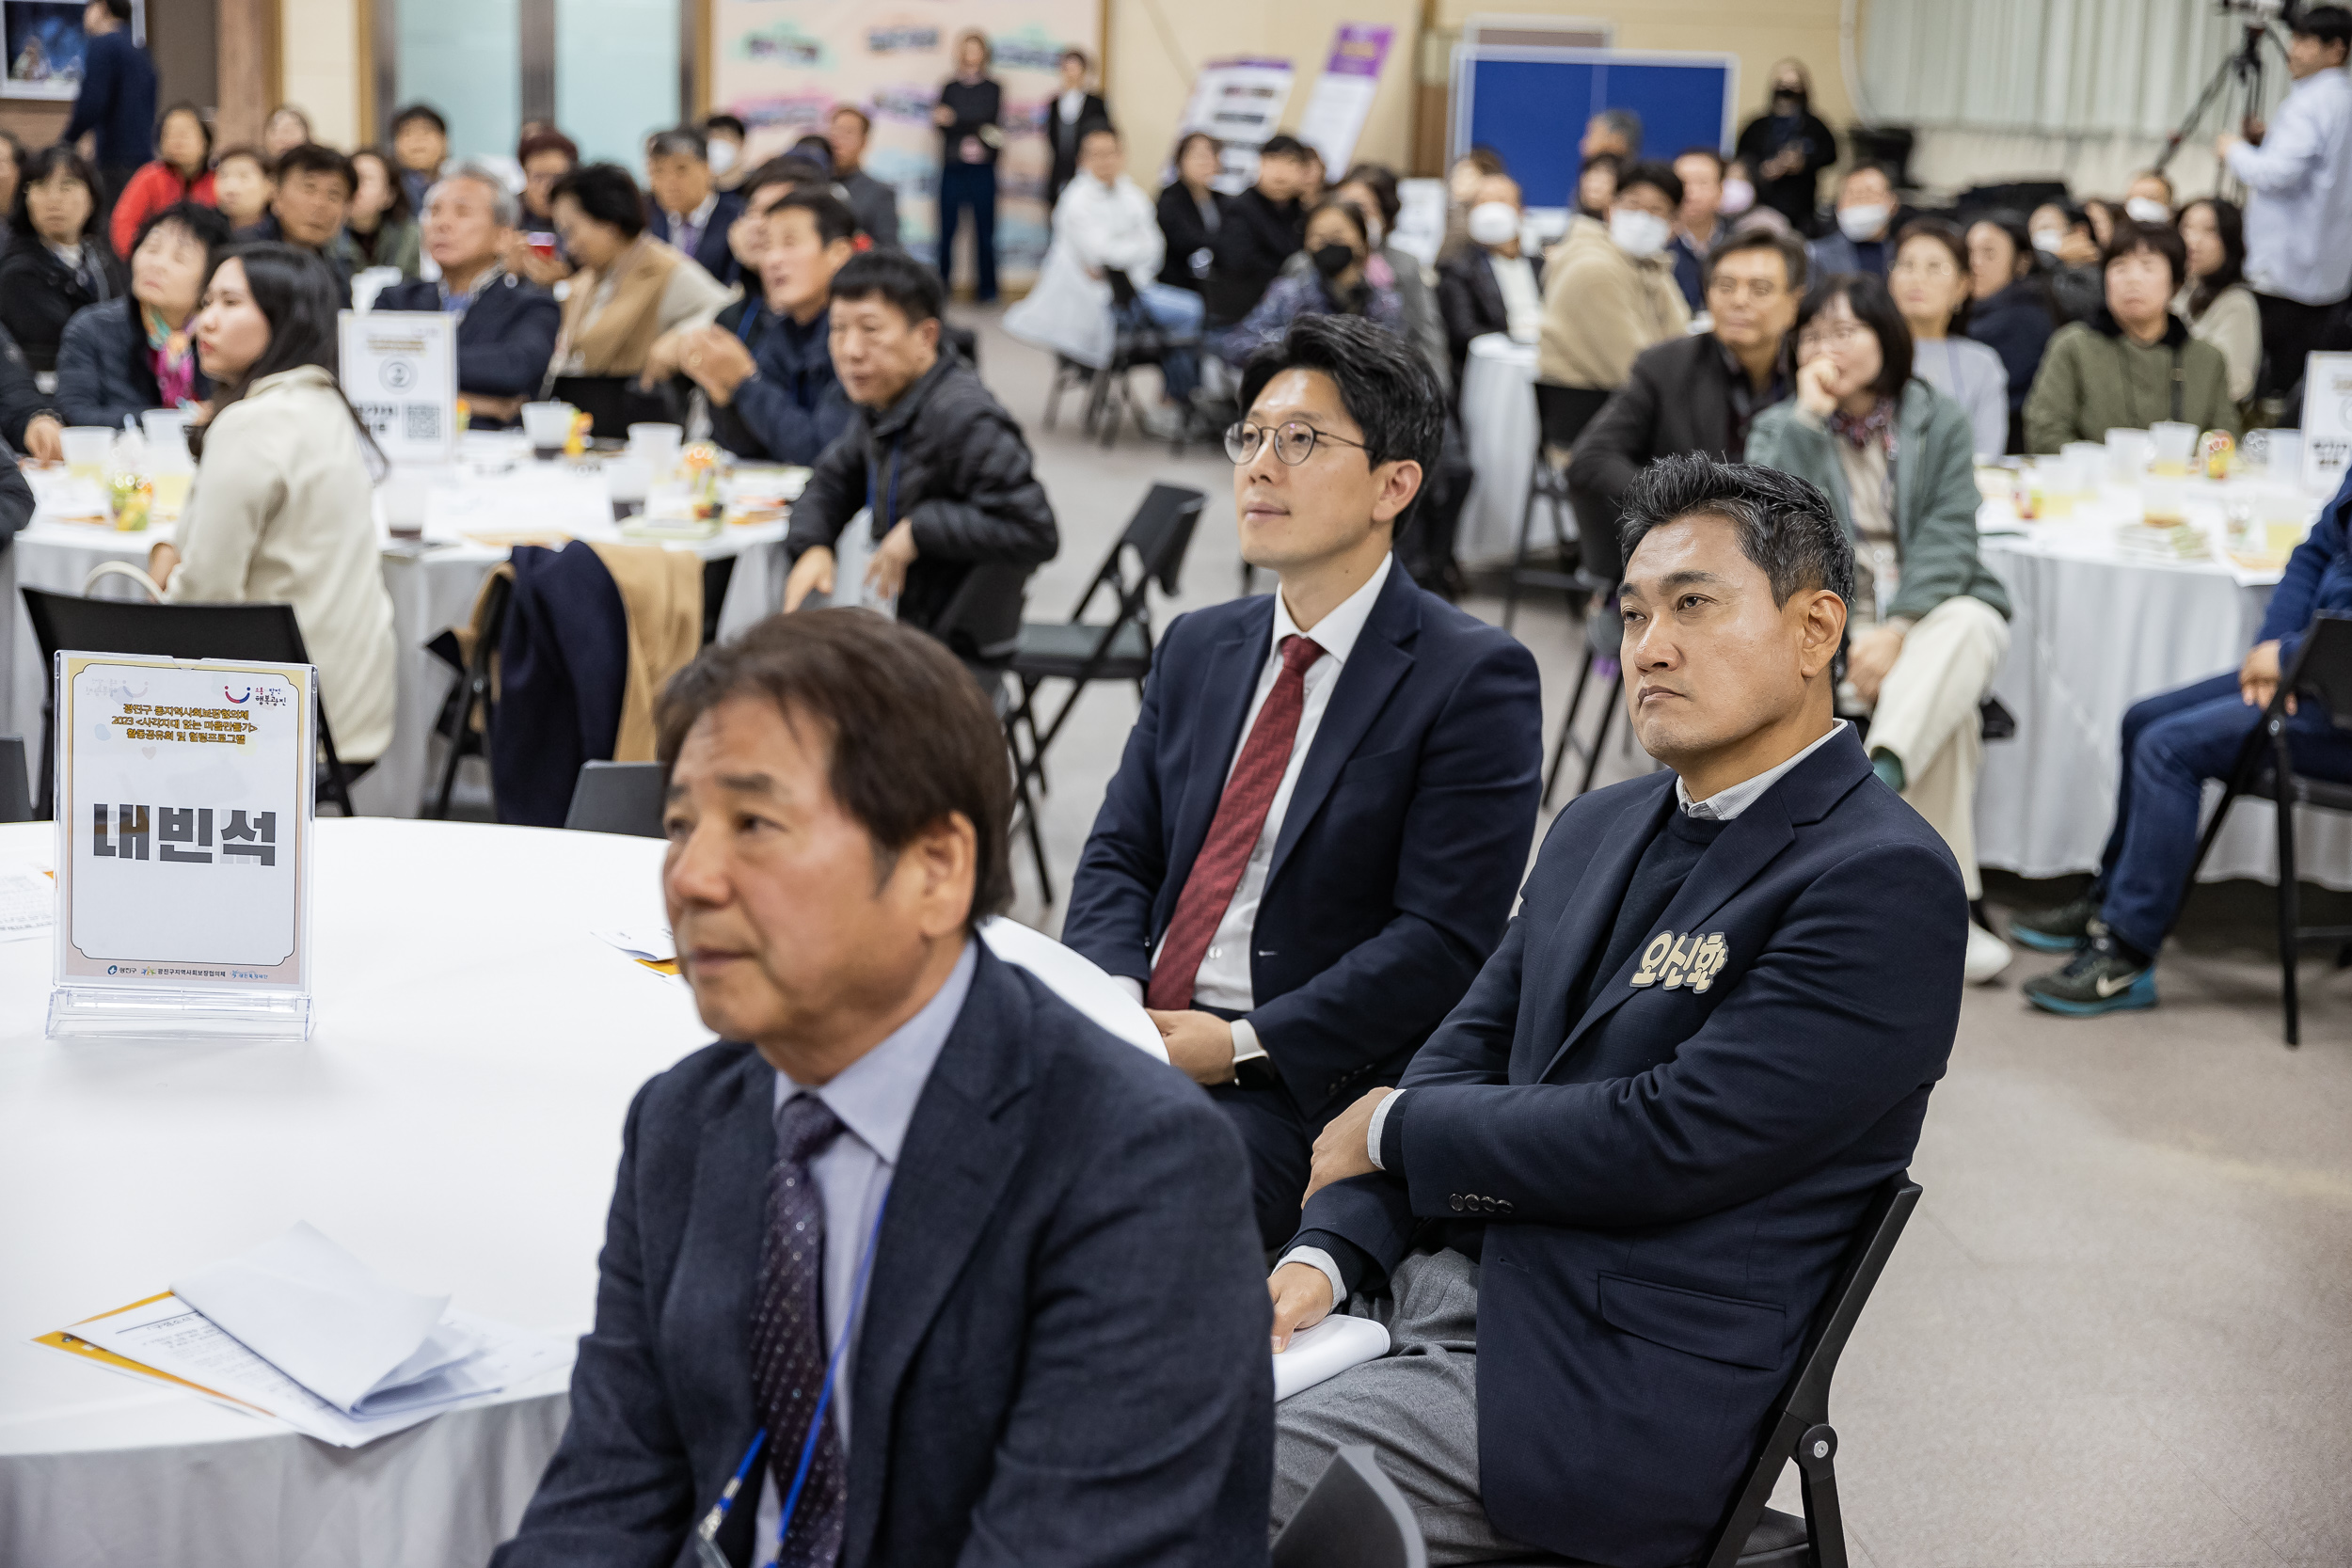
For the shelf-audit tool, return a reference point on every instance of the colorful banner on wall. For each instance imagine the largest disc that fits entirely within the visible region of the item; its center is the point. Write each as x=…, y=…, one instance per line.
x=782, y=69
x=1341, y=100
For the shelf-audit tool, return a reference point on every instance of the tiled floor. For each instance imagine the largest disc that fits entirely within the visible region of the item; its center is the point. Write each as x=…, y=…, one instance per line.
x=2118, y=1331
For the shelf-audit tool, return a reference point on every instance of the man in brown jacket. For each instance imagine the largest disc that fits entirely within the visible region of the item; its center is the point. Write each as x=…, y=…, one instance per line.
x=1610, y=291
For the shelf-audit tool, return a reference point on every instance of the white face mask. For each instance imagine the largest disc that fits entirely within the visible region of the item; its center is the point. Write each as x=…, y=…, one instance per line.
x=722, y=154
x=2147, y=209
x=1863, y=223
x=2047, y=241
x=1639, y=234
x=1373, y=233
x=1738, y=195
x=1493, y=223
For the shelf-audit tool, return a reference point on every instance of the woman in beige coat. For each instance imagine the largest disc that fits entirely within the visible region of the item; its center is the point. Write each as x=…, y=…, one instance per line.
x=279, y=512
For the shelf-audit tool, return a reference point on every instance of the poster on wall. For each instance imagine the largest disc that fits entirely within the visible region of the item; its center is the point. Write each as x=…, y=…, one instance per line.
x=1341, y=100
x=1240, y=102
x=782, y=71
x=46, y=46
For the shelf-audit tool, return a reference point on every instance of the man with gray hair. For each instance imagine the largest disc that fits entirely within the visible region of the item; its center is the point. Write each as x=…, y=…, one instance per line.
x=1614, y=132
x=688, y=210
x=506, y=328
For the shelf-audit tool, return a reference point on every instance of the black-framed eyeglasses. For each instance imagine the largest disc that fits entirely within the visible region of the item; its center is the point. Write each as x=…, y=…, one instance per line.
x=1294, y=443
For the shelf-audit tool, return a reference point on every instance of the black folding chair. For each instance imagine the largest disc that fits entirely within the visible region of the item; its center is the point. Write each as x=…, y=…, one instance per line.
x=1601, y=641
x=2265, y=771
x=1354, y=1517
x=1750, y=1534
x=1082, y=652
x=718, y=572
x=16, y=793
x=261, y=633
x=1561, y=413
x=464, y=722
x=616, y=798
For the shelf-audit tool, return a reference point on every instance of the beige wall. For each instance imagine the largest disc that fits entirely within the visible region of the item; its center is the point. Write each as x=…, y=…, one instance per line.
x=319, y=54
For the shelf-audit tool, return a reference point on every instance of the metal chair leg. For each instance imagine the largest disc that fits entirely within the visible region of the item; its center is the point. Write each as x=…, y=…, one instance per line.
x=1567, y=726
x=2290, y=896
x=1519, y=555
x=1600, y=736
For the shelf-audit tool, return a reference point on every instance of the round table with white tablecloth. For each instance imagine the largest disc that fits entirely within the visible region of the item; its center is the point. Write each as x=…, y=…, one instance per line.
x=455, y=1123
x=2091, y=634
x=432, y=582
x=1499, y=426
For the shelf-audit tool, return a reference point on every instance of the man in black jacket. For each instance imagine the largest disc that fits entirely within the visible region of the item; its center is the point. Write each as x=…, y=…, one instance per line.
x=1695, y=394
x=875, y=203
x=506, y=328
x=1263, y=227
x=766, y=364
x=933, y=458
x=688, y=209
x=310, y=186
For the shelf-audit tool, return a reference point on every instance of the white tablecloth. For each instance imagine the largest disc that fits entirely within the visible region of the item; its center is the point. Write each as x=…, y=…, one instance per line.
x=454, y=1121
x=2089, y=635
x=430, y=590
x=1499, y=425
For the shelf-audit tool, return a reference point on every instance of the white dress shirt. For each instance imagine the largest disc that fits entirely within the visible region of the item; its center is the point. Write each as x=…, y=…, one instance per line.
x=1722, y=806
x=1223, y=979
x=874, y=1097
x=1110, y=228
x=686, y=228
x=1523, y=301
x=2298, y=217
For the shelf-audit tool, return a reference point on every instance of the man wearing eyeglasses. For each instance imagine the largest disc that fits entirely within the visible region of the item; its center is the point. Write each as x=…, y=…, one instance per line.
x=1696, y=393
x=1313, y=838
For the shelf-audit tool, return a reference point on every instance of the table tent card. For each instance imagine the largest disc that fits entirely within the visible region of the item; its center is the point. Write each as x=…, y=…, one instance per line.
x=183, y=791
x=400, y=372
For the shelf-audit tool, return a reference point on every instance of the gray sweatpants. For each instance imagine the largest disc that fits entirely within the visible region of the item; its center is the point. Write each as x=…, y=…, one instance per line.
x=1417, y=1406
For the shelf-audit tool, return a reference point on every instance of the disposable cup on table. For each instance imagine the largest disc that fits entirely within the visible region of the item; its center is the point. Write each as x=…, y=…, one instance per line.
x=87, y=447
x=165, y=427
x=2172, y=445
x=658, y=444
x=628, y=476
x=549, y=426
x=2127, y=455
x=2281, y=453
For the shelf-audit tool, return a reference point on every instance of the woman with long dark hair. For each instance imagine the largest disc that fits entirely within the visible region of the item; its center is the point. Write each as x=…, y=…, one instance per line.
x=58, y=259
x=280, y=510
x=380, y=229
x=2215, y=302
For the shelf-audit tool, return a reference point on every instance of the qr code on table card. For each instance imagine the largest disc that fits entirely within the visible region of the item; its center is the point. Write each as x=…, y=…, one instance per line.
x=422, y=421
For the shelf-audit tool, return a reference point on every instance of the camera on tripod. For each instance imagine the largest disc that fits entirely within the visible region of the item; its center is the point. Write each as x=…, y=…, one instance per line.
x=2260, y=13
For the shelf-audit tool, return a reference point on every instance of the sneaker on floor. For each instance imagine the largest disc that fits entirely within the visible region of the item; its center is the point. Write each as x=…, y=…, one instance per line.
x=1164, y=423
x=2060, y=931
x=2100, y=978
x=1988, y=955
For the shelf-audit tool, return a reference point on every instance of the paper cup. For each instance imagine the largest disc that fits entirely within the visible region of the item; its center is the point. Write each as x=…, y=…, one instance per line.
x=87, y=447
x=658, y=444
x=2171, y=446
x=2127, y=455
x=547, y=425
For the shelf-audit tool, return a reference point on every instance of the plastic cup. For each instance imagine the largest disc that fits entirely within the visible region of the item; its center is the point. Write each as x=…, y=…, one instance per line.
x=547, y=426
x=658, y=444
x=87, y=447
x=2282, y=453
x=2127, y=455
x=2173, y=445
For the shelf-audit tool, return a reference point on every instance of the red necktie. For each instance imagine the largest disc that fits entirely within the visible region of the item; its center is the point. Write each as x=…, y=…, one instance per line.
x=1234, y=833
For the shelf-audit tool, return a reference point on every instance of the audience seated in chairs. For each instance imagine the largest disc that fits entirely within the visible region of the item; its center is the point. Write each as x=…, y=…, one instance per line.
x=58, y=260
x=506, y=326
x=1597, y=186
x=181, y=172
x=1461, y=194
x=2135, y=363
x=380, y=228
x=2069, y=246
x=2218, y=307
x=942, y=468
x=545, y=156
x=16, y=498
x=240, y=187
x=278, y=511
x=1617, y=1183
x=128, y=354
x=1347, y=279
x=309, y=188
x=30, y=423
x=1698, y=221
x=2172, y=743
x=1609, y=288
x=1371, y=189
x=2010, y=308
x=1928, y=626
x=847, y=132
x=1932, y=286
x=420, y=147
x=1104, y=224
x=1191, y=213
x=766, y=364
x=1866, y=216
x=688, y=212
x=1490, y=284
x=629, y=289
x=1262, y=228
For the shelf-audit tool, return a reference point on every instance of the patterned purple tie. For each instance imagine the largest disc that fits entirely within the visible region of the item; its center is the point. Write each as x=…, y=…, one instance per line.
x=788, y=1346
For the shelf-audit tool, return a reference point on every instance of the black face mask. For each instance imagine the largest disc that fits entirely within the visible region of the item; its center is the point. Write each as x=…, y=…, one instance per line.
x=1332, y=259
x=1790, y=104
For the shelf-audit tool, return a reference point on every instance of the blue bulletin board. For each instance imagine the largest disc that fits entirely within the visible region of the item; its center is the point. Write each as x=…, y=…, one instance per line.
x=1530, y=104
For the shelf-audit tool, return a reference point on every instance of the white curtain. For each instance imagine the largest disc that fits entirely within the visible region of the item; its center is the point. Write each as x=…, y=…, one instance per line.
x=2072, y=69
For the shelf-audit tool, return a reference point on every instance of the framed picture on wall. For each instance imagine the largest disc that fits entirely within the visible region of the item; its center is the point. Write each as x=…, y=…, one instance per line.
x=45, y=46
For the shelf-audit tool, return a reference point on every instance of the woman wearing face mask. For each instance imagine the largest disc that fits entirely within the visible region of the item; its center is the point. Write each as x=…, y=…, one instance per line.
x=1371, y=189
x=2063, y=238
x=1491, y=287
x=120, y=359
x=272, y=517
x=1610, y=290
x=181, y=172
x=1461, y=191
x=1787, y=146
x=1348, y=278
x=1928, y=626
x=2215, y=302
x=1933, y=289
x=2149, y=197
x=379, y=229
x=2010, y=311
x=58, y=263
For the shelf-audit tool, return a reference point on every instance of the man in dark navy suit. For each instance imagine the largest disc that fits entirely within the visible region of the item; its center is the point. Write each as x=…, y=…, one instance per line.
x=944, y=1275
x=506, y=328
x=1601, y=1210
x=688, y=209
x=1311, y=843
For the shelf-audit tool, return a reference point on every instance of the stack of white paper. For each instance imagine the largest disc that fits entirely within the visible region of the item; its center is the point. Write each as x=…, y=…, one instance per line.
x=299, y=1329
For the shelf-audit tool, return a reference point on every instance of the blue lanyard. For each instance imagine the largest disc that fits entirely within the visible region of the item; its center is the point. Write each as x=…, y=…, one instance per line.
x=707, y=1535
x=890, y=516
